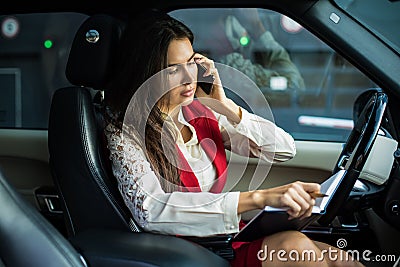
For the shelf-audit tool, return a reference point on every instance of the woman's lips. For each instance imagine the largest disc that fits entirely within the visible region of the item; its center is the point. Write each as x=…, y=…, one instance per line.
x=187, y=93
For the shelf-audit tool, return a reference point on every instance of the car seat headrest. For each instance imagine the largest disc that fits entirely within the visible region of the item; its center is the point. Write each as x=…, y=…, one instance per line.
x=93, y=52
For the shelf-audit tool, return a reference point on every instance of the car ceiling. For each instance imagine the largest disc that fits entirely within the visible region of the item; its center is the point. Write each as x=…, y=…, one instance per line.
x=121, y=6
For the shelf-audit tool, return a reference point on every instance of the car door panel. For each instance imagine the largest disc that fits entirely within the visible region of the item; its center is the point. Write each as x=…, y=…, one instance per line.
x=24, y=160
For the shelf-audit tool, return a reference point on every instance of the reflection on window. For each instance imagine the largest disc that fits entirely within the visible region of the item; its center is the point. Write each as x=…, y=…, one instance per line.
x=310, y=88
x=33, y=53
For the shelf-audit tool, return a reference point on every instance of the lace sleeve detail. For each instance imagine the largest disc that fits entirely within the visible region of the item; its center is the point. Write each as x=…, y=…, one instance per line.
x=177, y=213
x=128, y=167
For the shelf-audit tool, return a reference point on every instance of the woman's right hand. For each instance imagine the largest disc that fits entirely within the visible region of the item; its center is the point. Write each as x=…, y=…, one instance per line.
x=295, y=197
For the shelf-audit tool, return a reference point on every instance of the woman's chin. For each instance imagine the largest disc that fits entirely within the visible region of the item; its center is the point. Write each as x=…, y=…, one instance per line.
x=187, y=101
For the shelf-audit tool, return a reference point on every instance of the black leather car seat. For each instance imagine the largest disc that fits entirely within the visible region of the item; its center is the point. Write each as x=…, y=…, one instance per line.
x=27, y=238
x=80, y=168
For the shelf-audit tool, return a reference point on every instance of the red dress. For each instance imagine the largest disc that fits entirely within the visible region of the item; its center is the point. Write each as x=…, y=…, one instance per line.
x=207, y=129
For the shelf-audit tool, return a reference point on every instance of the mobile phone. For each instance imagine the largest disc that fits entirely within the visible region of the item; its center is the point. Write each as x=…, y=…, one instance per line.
x=205, y=83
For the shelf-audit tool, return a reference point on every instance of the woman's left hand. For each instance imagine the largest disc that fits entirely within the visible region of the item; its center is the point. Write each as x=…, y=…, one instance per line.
x=217, y=92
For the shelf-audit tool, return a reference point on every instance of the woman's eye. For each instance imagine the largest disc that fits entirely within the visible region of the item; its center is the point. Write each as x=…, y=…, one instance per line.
x=172, y=71
x=191, y=65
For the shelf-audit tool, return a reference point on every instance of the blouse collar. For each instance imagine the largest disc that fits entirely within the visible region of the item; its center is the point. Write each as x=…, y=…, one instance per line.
x=179, y=139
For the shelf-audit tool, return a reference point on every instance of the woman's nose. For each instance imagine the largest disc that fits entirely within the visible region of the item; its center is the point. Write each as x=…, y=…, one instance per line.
x=189, y=75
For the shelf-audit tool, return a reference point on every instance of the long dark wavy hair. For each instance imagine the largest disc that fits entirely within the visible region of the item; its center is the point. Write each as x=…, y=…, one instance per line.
x=143, y=53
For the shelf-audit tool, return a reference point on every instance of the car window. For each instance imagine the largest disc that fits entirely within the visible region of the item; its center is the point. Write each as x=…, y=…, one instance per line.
x=33, y=52
x=311, y=96
x=309, y=87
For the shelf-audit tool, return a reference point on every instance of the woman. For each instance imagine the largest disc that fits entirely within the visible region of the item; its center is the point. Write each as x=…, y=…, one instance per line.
x=169, y=173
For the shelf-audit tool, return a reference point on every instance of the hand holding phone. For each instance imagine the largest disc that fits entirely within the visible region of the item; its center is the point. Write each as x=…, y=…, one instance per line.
x=206, y=82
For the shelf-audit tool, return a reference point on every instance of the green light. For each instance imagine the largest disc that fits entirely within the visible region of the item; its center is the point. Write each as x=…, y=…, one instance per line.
x=244, y=40
x=48, y=43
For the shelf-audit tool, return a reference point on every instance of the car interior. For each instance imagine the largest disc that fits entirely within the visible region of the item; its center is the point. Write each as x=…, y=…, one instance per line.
x=46, y=245
x=74, y=214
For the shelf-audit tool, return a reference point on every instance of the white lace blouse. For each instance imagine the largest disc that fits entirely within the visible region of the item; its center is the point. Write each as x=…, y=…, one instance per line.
x=192, y=213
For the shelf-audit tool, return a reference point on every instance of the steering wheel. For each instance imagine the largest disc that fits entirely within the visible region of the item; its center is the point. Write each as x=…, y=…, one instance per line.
x=356, y=150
